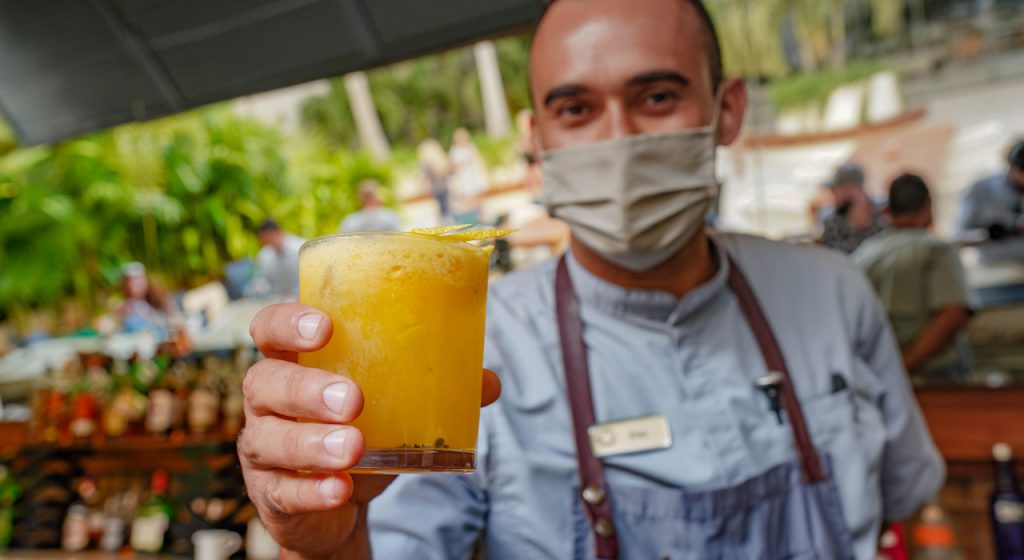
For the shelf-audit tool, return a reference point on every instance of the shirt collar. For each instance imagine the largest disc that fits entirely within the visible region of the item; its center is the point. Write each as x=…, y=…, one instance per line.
x=653, y=305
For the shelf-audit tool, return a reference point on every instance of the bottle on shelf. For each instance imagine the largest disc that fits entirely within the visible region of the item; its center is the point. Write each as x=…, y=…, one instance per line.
x=47, y=410
x=115, y=514
x=83, y=414
x=180, y=376
x=120, y=409
x=153, y=517
x=203, y=404
x=934, y=537
x=1006, y=506
x=161, y=407
x=75, y=533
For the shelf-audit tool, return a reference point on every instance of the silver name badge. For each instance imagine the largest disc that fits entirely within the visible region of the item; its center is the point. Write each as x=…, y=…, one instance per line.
x=630, y=436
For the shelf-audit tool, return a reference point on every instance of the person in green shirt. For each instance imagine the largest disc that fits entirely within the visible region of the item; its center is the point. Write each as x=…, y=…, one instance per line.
x=922, y=285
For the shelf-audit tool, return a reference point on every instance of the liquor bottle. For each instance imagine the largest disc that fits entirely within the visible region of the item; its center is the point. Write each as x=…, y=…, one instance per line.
x=83, y=415
x=75, y=533
x=120, y=408
x=162, y=404
x=203, y=404
x=233, y=404
x=934, y=538
x=180, y=374
x=153, y=517
x=1007, y=506
x=52, y=405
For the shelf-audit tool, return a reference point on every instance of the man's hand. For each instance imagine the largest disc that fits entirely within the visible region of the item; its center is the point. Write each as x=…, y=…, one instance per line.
x=294, y=472
x=936, y=336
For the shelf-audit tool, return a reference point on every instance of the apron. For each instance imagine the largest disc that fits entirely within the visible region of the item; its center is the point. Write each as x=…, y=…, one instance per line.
x=791, y=512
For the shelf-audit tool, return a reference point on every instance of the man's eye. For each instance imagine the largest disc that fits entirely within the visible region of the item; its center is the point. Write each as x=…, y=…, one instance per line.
x=572, y=110
x=659, y=98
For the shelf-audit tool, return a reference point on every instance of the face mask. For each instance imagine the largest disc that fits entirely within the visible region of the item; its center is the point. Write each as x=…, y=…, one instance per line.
x=636, y=200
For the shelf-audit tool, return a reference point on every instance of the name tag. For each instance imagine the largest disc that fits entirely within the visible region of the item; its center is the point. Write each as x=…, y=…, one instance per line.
x=630, y=436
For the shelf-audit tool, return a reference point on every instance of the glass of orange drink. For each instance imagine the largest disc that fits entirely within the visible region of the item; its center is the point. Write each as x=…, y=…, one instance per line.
x=408, y=314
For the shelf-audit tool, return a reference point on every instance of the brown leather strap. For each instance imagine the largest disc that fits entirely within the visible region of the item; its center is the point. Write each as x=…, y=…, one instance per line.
x=593, y=489
x=809, y=460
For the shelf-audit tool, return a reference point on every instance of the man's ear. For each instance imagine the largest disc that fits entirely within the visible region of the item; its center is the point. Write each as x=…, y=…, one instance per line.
x=535, y=143
x=734, y=107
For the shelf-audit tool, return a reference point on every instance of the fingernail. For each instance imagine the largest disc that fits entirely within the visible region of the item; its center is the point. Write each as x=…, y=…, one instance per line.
x=308, y=325
x=330, y=488
x=334, y=443
x=334, y=397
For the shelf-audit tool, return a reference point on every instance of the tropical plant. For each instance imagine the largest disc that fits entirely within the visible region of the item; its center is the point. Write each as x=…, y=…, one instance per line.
x=7, y=140
x=182, y=195
x=814, y=88
x=752, y=33
x=749, y=33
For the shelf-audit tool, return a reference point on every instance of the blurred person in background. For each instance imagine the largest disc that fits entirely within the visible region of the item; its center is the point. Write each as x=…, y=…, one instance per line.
x=372, y=215
x=469, y=177
x=821, y=206
x=853, y=216
x=739, y=348
x=993, y=208
x=437, y=171
x=147, y=306
x=922, y=285
x=277, y=263
x=532, y=179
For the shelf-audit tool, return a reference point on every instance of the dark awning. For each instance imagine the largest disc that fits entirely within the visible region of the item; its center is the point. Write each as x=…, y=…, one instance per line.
x=72, y=66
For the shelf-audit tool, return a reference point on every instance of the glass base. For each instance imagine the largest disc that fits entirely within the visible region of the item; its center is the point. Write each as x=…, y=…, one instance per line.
x=404, y=461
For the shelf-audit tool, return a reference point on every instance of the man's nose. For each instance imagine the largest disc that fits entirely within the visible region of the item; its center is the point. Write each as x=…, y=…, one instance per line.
x=618, y=122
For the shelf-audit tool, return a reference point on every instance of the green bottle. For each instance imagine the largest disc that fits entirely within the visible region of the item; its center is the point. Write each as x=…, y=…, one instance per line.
x=153, y=517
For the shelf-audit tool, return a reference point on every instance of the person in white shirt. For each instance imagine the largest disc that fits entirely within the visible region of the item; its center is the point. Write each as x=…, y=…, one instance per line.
x=470, y=177
x=277, y=263
x=372, y=215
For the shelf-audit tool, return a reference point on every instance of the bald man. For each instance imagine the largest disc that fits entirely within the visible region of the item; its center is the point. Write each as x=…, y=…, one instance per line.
x=665, y=393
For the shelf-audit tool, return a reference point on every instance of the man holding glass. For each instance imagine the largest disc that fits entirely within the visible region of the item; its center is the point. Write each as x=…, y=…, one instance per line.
x=665, y=393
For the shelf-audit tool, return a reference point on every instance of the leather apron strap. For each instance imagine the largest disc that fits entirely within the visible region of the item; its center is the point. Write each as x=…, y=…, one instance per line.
x=810, y=462
x=593, y=487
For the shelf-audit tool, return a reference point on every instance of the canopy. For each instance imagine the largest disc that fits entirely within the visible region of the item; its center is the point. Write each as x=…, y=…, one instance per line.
x=73, y=66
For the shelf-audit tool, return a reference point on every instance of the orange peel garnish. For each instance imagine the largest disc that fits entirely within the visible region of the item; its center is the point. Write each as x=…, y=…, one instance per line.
x=461, y=233
x=438, y=231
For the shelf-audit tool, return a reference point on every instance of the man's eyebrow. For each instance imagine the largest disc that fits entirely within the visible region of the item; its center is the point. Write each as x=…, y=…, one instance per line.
x=568, y=90
x=659, y=76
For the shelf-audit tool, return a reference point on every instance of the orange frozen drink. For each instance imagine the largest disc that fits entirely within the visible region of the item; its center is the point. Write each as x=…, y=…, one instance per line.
x=408, y=314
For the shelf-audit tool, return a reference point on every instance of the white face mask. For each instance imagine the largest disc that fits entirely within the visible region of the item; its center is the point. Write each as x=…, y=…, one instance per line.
x=636, y=200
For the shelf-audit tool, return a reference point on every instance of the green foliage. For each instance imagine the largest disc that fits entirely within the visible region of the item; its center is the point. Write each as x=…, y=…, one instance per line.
x=514, y=59
x=751, y=31
x=182, y=195
x=422, y=98
x=7, y=140
x=750, y=37
x=814, y=88
x=497, y=152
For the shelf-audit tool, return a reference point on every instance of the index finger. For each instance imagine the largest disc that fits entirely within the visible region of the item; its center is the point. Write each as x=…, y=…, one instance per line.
x=282, y=330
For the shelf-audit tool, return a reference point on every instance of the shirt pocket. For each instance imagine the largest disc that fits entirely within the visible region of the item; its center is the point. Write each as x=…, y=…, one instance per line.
x=847, y=427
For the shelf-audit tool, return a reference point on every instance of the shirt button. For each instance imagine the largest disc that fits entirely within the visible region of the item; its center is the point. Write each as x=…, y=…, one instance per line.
x=604, y=528
x=593, y=495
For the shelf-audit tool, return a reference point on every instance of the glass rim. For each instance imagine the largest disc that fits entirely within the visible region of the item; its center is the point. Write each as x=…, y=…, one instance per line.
x=387, y=233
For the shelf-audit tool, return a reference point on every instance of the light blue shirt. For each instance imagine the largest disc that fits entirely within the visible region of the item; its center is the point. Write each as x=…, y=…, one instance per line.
x=992, y=200
x=370, y=219
x=694, y=361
